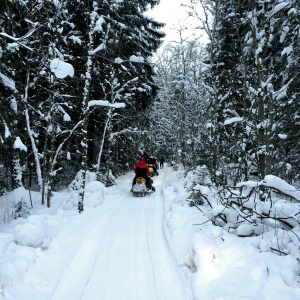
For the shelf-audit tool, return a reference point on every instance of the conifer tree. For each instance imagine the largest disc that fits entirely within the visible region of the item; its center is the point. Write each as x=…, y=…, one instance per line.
x=11, y=108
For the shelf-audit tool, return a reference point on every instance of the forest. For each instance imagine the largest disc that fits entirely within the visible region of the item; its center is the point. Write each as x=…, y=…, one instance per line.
x=227, y=110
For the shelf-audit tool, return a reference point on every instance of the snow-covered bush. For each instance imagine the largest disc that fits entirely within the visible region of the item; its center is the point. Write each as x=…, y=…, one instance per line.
x=14, y=204
x=76, y=183
x=94, y=195
x=109, y=178
x=198, y=183
x=244, y=212
x=267, y=209
x=21, y=210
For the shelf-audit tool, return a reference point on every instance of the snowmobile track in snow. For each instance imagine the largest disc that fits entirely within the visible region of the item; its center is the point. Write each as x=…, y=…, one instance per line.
x=123, y=253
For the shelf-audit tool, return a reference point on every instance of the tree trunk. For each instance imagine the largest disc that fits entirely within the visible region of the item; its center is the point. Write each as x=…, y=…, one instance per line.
x=30, y=134
x=86, y=94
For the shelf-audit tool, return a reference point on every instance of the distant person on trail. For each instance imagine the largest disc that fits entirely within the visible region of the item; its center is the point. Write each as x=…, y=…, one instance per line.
x=162, y=161
x=141, y=170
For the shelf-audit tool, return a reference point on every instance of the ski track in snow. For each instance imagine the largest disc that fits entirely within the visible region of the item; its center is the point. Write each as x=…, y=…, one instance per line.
x=122, y=253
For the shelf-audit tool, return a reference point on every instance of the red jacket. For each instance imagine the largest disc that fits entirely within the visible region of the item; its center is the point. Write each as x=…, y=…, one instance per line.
x=141, y=165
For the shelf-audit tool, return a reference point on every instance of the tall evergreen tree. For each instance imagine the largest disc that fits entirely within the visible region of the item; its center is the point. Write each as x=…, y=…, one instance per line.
x=11, y=61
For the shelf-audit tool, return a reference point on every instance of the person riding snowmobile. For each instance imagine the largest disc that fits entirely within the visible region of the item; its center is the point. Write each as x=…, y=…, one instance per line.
x=152, y=161
x=141, y=170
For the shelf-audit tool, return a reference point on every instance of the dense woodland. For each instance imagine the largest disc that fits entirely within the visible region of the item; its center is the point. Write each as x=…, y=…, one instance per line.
x=235, y=102
x=231, y=104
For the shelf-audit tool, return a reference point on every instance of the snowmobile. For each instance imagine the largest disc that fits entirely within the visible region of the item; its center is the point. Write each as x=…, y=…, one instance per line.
x=139, y=189
x=152, y=170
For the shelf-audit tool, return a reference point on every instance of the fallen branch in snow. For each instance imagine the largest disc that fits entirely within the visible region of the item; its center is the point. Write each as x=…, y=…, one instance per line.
x=203, y=222
x=276, y=250
x=192, y=203
x=248, y=214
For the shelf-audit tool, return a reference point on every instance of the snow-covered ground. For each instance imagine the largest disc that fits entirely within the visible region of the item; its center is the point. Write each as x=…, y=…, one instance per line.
x=127, y=248
x=115, y=249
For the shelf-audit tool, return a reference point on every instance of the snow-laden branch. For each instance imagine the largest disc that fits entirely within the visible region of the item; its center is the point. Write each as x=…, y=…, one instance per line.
x=132, y=58
x=117, y=91
x=274, y=182
x=264, y=84
x=28, y=34
x=18, y=144
x=281, y=93
x=17, y=40
x=105, y=103
x=99, y=48
x=278, y=8
x=6, y=131
x=210, y=89
x=136, y=59
x=8, y=82
x=118, y=60
x=127, y=131
x=61, y=69
x=233, y=120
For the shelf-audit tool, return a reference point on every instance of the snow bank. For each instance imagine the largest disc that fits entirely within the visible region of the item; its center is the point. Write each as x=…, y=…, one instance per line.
x=222, y=265
x=37, y=231
x=28, y=238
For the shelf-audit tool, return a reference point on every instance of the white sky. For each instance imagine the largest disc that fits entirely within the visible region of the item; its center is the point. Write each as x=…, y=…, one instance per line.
x=171, y=12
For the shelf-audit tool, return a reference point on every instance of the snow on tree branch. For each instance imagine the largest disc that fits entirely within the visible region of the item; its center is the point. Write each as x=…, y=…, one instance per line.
x=278, y=8
x=276, y=183
x=233, y=120
x=19, y=39
x=105, y=103
x=137, y=59
x=130, y=131
x=99, y=48
x=118, y=60
x=18, y=144
x=6, y=129
x=61, y=69
x=8, y=82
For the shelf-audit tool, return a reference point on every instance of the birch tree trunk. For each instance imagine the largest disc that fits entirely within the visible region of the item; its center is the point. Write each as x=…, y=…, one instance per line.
x=31, y=134
x=86, y=95
x=102, y=144
x=50, y=155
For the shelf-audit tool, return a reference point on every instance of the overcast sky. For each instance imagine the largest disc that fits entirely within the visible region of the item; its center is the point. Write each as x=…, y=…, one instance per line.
x=171, y=13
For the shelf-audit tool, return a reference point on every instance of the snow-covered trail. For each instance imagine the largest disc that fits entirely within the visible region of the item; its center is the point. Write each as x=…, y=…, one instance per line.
x=123, y=253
